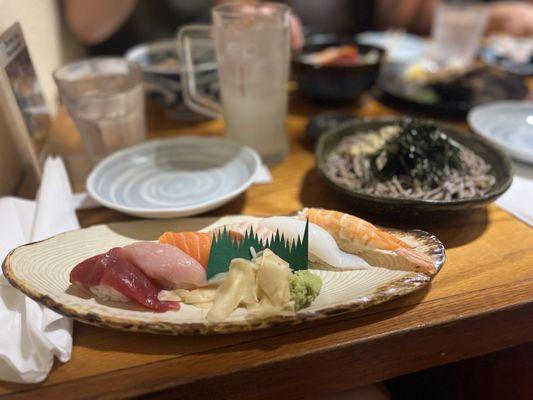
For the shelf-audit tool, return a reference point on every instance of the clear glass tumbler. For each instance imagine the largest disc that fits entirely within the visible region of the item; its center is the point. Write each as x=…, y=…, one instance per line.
x=457, y=30
x=253, y=56
x=105, y=98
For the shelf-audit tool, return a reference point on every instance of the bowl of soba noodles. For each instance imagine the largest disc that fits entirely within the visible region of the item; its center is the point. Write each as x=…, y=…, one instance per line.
x=411, y=167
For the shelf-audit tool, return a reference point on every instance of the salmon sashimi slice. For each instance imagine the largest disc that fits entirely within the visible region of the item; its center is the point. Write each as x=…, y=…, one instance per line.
x=358, y=236
x=195, y=244
x=111, y=273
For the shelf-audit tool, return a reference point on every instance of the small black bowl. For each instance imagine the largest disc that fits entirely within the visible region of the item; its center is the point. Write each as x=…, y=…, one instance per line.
x=401, y=207
x=325, y=121
x=335, y=83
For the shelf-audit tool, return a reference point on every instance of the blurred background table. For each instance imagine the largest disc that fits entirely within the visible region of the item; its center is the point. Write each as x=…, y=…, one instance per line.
x=480, y=302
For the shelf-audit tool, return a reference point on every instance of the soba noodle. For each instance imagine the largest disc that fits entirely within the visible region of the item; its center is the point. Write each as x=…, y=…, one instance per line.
x=349, y=166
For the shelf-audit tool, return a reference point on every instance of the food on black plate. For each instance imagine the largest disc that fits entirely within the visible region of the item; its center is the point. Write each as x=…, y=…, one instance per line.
x=340, y=56
x=409, y=159
x=168, y=62
x=428, y=72
x=168, y=59
x=452, y=88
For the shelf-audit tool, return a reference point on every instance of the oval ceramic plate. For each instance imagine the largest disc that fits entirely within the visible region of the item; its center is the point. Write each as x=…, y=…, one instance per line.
x=41, y=270
x=173, y=177
x=509, y=124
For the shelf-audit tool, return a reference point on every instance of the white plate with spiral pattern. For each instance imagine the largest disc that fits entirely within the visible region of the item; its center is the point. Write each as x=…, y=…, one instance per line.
x=174, y=177
x=508, y=124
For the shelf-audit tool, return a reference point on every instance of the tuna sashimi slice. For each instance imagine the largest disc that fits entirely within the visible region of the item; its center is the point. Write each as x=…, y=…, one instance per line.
x=113, y=270
x=86, y=273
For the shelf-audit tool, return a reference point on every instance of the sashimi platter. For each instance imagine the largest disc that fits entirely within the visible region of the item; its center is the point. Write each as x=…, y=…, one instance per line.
x=236, y=273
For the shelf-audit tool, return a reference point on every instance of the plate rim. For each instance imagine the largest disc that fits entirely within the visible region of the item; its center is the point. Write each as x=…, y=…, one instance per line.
x=516, y=152
x=402, y=286
x=90, y=181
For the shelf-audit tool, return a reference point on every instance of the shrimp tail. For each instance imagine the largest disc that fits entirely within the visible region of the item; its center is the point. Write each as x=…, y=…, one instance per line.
x=388, y=241
x=422, y=262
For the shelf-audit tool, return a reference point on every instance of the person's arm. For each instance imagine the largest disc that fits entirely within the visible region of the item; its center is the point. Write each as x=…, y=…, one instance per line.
x=93, y=21
x=412, y=15
x=514, y=18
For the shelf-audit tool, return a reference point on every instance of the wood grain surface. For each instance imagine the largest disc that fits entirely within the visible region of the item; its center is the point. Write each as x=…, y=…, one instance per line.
x=482, y=301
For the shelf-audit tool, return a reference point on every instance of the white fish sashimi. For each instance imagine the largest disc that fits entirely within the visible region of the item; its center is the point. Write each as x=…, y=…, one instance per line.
x=322, y=245
x=166, y=264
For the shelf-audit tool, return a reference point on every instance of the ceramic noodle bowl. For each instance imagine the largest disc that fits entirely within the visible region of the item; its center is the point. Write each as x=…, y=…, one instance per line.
x=408, y=208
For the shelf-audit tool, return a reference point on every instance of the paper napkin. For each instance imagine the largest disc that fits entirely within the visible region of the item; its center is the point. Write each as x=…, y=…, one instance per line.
x=518, y=200
x=31, y=334
x=262, y=176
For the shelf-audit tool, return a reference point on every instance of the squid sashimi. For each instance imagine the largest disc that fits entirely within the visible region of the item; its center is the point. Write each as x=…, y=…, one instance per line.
x=195, y=244
x=356, y=235
x=166, y=264
x=322, y=246
x=111, y=277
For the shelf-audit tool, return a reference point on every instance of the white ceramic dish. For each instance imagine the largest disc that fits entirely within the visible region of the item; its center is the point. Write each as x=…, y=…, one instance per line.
x=509, y=124
x=175, y=177
x=41, y=270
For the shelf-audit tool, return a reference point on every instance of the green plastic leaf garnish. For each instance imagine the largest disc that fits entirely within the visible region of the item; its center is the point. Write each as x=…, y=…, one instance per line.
x=224, y=249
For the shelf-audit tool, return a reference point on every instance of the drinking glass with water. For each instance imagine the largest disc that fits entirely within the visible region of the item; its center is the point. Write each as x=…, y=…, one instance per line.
x=253, y=56
x=104, y=97
x=457, y=30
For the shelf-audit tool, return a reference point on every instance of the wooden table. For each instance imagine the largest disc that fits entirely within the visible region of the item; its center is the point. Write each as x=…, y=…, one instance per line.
x=480, y=302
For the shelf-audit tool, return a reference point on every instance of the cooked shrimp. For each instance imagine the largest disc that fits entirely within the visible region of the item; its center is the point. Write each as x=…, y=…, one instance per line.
x=356, y=235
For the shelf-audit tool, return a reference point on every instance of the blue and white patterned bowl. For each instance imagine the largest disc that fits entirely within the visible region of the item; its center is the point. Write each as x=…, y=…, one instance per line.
x=160, y=65
x=400, y=47
x=508, y=124
x=175, y=177
x=491, y=57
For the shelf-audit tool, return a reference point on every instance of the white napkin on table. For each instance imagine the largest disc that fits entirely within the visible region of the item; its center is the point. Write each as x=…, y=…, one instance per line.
x=31, y=334
x=262, y=176
x=518, y=200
